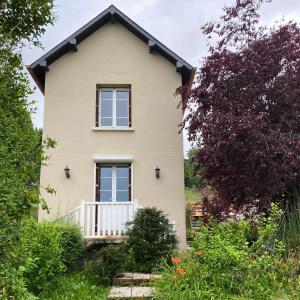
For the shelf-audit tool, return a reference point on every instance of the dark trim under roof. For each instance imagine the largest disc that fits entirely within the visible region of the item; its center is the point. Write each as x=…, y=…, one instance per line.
x=111, y=14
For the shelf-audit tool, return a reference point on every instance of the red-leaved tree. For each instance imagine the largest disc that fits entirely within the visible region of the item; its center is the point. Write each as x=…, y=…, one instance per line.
x=244, y=110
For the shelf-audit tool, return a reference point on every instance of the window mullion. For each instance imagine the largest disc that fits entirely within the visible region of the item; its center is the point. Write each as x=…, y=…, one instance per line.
x=114, y=108
x=100, y=106
x=114, y=184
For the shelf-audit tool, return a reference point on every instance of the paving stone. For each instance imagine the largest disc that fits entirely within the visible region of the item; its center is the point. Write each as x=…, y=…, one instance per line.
x=125, y=292
x=133, y=279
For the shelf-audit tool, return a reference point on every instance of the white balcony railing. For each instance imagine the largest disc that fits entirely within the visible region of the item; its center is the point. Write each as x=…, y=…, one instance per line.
x=102, y=219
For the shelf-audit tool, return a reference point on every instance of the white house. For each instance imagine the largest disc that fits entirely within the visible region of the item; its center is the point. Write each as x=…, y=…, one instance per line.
x=109, y=102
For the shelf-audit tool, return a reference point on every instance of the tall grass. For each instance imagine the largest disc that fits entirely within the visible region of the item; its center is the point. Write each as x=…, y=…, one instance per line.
x=289, y=230
x=75, y=286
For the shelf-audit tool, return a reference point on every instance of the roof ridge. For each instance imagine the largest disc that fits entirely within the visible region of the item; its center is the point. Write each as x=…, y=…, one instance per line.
x=111, y=13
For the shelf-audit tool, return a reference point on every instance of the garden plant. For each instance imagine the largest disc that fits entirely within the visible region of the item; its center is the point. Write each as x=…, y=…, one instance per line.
x=233, y=260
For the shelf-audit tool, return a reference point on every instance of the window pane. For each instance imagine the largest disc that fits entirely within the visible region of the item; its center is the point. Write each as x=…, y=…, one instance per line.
x=106, y=95
x=106, y=172
x=122, y=95
x=122, y=108
x=122, y=121
x=122, y=171
x=106, y=108
x=106, y=121
x=105, y=196
x=122, y=196
x=106, y=184
x=122, y=184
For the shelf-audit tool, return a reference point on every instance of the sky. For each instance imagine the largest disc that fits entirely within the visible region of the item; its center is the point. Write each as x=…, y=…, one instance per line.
x=176, y=23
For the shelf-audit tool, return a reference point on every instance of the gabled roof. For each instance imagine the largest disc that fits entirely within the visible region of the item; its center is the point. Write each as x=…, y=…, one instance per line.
x=111, y=14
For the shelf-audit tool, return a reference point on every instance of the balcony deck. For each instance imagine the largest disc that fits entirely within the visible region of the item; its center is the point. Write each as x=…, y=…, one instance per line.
x=103, y=221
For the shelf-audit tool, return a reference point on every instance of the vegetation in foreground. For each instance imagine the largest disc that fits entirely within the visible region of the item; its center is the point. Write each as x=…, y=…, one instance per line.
x=76, y=285
x=51, y=262
x=233, y=260
x=248, y=151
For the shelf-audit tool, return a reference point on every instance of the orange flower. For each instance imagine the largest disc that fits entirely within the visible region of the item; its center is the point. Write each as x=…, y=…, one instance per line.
x=175, y=260
x=180, y=271
x=200, y=253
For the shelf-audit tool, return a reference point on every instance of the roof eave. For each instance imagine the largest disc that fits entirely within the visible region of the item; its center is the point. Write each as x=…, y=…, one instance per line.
x=36, y=79
x=40, y=66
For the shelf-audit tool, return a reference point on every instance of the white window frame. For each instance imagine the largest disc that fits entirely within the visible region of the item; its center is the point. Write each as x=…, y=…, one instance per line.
x=114, y=107
x=114, y=183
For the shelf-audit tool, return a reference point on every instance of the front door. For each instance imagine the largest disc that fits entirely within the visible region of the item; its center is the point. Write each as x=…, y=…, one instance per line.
x=113, y=184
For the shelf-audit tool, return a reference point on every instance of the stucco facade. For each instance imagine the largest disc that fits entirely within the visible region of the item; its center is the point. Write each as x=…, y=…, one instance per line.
x=114, y=55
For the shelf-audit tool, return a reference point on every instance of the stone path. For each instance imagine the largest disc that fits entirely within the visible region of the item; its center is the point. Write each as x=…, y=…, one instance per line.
x=130, y=286
x=135, y=292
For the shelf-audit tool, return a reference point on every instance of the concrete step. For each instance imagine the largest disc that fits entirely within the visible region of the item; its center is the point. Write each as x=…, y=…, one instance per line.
x=135, y=292
x=133, y=279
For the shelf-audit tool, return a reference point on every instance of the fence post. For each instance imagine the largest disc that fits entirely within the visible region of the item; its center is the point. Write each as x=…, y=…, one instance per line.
x=82, y=216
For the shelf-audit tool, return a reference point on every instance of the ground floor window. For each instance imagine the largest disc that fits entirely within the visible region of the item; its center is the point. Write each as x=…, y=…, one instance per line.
x=113, y=183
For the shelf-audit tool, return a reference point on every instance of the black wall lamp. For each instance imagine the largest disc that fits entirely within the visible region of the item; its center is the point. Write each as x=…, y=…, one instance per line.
x=157, y=172
x=67, y=172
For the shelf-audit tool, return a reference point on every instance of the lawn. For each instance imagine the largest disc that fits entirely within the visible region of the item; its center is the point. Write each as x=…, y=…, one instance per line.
x=191, y=195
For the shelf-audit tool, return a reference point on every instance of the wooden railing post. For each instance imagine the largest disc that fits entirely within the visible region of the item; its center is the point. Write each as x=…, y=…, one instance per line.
x=82, y=216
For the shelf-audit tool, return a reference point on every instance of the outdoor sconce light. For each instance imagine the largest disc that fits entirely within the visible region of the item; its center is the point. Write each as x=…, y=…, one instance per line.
x=67, y=172
x=157, y=172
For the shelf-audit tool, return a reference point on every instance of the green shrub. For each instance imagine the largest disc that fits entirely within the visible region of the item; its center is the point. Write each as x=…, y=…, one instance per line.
x=108, y=262
x=12, y=282
x=71, y=243
x=48, y=250
x=151, y=238
x=232, y=260
x=41, y=257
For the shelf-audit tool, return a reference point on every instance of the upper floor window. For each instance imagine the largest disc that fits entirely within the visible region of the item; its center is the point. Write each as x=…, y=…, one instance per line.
x=113, y=107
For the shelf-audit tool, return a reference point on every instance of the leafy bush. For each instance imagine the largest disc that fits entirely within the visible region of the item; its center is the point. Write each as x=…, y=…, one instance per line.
x=71, y=243
x=41, y=258
x=47, y=250
x=151, y=237
x=108, y=262
x=74, y=286
x=232, y=260
x=12, y=282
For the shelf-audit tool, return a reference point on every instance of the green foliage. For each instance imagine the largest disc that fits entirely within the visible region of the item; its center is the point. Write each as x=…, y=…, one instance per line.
x=24, y=20
x=192, y=194
x=151, y=238
x=289, y=231
x=71, y=243
x=108, y=262
x=193, y=174
x=13, y=282
x=41, y=256
x=75, y=286
x=188, y=216
x=20, y=145
x=47, y=250
x=232, y=260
